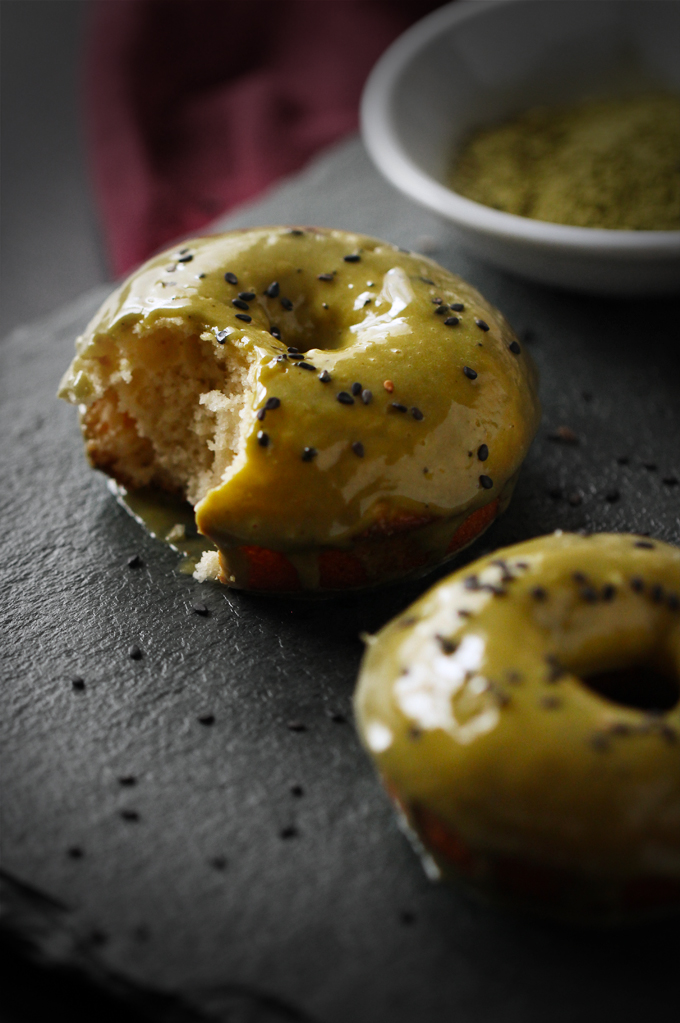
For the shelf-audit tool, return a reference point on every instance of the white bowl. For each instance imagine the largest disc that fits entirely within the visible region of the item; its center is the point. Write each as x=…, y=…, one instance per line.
x=473, y=63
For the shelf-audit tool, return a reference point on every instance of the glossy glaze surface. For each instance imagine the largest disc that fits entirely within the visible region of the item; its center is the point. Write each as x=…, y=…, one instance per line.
x=420, y=397
x=474, y=707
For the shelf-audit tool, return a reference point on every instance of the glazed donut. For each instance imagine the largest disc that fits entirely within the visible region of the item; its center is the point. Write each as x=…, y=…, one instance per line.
x=524, y=717
x=339, y=411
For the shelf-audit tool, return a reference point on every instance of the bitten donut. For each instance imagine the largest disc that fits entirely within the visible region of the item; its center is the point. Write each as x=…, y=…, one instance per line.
x=339, y=412
x=524, y=717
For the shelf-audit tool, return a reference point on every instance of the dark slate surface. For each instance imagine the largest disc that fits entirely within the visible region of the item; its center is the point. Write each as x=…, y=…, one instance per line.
x=167, y=861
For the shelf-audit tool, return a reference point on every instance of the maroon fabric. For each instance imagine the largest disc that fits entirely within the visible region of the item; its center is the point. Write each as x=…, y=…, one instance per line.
x=194, y=106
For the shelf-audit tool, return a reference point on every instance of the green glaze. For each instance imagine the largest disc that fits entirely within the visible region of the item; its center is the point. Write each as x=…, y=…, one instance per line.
x=375, y=321
x=483, y=719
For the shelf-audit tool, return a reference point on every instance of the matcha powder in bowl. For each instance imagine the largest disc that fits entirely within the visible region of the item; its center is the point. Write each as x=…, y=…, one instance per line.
x=601, y=163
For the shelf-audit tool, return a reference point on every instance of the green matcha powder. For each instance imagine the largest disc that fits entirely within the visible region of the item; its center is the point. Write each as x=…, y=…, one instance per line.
x=604, y=163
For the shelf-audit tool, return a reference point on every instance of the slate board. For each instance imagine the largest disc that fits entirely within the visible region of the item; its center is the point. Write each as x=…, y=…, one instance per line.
x=177, y=894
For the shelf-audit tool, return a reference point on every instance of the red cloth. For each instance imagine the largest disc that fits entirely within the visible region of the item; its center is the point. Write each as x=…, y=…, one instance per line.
x=193, y=106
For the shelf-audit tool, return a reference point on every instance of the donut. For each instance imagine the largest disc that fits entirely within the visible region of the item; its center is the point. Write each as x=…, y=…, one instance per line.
x=339, y=412
x=524, y=717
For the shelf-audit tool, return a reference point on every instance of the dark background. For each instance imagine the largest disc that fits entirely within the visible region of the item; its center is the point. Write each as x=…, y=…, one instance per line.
x=51, y=250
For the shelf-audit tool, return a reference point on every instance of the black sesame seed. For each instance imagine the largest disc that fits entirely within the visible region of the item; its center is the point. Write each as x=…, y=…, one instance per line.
x=199, y=608
x=650, y=466
x=201, y=277
x=612, y=496
x=324, y=277
x=644, y=544
x=452, y=321
x=324, y=376
x=471, y=582
x=292, y=350
x=538, y=593
x=296, y=356
x=185, y=259
x=482, y=452
x=287, y=304
x=580, y=578
x=354, y=257
x=134, y=652
x=437, y=300
x=275, y=332
x=308, y=454
x=296, y=726
x=221, y=336
x=407, y=917
x=134, y=561
x=514, y=347
x=471, y=374
x=297, y=791
x=127, y=781
x=288, y=832
x=608, y=592
x=486, y=482
x=78, y=683
x=447, y=645
x=244, y=317
x=306, y=365
x=218, y=862
x=673, y=602
x=240, y=304
x=246, y=296
x=262, y=438
x=398, y=407
x=358, y=448
x=367, y=396
x=231, y=278
x=356, y=389
x=656, y=593
x=273, y=290
x=336, y=717
x=417, y=414
x=457, y=307
x=345, y=398
x=623, y=460
x=441, y=310
x=670, y=481
x=589, y=594
x=272, y=403
x=206, y=719
x=260, y=414
x=426, y=280
x=129, y=815
x=482, y=324
x=637, y=584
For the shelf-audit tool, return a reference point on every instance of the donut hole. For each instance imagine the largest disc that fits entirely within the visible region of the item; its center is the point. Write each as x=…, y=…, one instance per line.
x=641, y=686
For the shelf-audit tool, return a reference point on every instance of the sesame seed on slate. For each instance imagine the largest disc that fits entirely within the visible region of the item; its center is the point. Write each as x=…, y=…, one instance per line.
x=356, y=389
x=650, y=466
x=407, y=917
x=555, y=492
x=240, y=304
x=398, y=407
x=623, y=460
x=486, y=482
x=218, y=862
x=273, y=290
x=185, y=259
x=297, y=791
x=417, y=414
x=612, y=496
x=345, y=398
x=231, y=278
x=206, y=719
x=275, y=332
x=129, y=815
x=287, y=304
x=354, y=257
x=452, y=321
x=515, y=347
x=78, y=683
x=288, y=832
x=471, y=374
x=296, y=726
x=324, y=277
x=244, y=317
x=272, y=403
x=306, y=365
x=482, y=324
x=134, y=561
x=358, y=448
x=563, y=435
x=246, y=296
x=308, y=454
x=367, y=396
x=670, y=481
x=127, y=781
x=198, y=608
x=134, y=652
x=262, y=438
x=389, y=386
x=457, y=307
x=644, y=544
x=221, y=336
x=538, y=593
x=325, y=377
x=260, y=414
x=75, y=852
x=482, y=452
